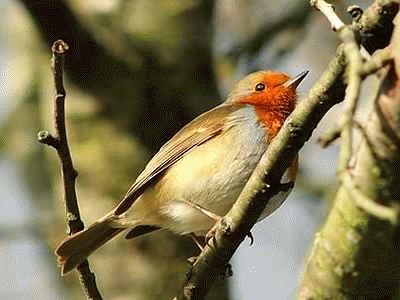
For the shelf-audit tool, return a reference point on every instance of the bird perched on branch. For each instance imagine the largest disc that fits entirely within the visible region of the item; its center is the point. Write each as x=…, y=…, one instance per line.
x=199, y=173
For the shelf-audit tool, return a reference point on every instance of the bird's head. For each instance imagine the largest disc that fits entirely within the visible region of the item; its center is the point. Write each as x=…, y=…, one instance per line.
x=268, y=89
x=273, y=95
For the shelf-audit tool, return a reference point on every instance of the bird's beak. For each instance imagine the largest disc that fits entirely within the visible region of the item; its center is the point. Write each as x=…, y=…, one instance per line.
x=294, y=82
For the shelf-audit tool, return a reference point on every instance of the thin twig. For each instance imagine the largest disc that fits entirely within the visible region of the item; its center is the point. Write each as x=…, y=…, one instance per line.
x=354, y=66
x=356, y=70
x=378, y=60
x=60, y=143
x=328, y=10
x=370, y=206
x=330, y=136
x=354, y=58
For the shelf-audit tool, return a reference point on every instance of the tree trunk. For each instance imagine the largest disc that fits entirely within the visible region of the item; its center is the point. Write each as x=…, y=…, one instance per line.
x=356, y=254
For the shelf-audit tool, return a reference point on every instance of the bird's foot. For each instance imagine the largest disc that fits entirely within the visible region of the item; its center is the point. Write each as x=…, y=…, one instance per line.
x=251, y=237
x=216, y=218
x=192, y=260
x=196, y=240
x=223, y=225
x=286, y=187
x=228, y=272
x=211, y=233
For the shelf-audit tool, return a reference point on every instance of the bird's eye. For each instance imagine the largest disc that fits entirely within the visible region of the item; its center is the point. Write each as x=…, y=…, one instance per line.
x=260, y=87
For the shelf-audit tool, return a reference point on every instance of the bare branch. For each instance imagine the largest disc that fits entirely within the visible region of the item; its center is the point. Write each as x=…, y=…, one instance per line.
x=60, y=143
x=369, y=205
x=128, y=76
x=364, y=23
x=378, y=60
x=45, y=137
x=330, y=136
x=337, y=24
x=355, y=73
x=329, y=12
x=354, y=65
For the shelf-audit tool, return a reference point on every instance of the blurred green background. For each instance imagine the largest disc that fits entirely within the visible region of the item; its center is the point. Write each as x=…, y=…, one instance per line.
x=137, y=71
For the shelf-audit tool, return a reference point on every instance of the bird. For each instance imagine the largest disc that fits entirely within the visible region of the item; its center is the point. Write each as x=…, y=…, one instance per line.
x=199, y=173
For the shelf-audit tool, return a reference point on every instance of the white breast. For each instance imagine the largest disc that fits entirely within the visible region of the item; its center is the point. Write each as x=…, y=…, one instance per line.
x=213, y=174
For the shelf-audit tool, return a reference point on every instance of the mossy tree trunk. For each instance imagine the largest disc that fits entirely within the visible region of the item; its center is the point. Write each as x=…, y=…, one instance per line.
x=356, y=254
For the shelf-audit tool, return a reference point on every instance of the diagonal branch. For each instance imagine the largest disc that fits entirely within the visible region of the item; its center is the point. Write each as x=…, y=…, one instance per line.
x=60, y=143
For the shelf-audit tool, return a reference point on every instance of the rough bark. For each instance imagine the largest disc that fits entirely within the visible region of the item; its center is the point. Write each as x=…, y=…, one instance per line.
x=356, y=254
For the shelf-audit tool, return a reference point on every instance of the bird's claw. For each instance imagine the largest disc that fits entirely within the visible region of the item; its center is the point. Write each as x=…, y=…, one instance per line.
x=229, y=271
x=286, y=187
x=221, y=224
x=251, y=237
x=192, y=260
x=211, y=234
x=197, y=241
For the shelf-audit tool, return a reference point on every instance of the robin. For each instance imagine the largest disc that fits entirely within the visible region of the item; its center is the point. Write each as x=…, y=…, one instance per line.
x=200, y=172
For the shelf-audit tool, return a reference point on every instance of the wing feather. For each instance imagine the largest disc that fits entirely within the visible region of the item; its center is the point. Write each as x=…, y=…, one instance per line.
x=200, y=130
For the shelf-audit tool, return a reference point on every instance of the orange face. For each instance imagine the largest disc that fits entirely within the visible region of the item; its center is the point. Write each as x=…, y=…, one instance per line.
x=273, y=99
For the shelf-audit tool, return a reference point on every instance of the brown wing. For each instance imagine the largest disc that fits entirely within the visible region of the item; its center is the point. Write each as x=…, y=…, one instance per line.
x=200, y=130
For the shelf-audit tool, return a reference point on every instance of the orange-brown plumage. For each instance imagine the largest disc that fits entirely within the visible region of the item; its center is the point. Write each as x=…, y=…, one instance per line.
x=274, y=103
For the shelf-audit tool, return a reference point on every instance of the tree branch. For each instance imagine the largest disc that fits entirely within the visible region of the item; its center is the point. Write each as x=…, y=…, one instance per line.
x=353, y=67
x=352, y=52
x=336, y=23
x=380, y=59
x=356, y=253
x=377, y=61
x=265, y=180
x=367, y=204
x=60, y=143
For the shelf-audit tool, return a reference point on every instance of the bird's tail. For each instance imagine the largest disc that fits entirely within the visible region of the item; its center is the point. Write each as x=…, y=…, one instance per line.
x=76, y=248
